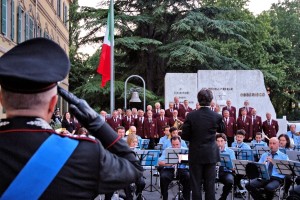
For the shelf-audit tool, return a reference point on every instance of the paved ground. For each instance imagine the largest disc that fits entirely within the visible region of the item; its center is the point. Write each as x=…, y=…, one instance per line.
x=153, y=193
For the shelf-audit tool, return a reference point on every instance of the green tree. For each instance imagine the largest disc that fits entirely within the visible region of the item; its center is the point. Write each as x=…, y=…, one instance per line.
x=154, y=37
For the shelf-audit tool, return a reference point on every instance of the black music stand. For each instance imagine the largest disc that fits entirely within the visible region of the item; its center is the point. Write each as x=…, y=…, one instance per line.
x=297, y=147
x=288, y=167
x=172, y=154
x=263, y=170
x=177, y=156
x=148, y=158
x=240, y=167
x=261, y=149
x=243, y=154
x=144, y=143
x=226, y=162
x=293, y=155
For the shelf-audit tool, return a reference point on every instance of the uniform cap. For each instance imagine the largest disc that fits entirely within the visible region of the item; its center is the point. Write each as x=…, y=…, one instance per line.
x=33, y=66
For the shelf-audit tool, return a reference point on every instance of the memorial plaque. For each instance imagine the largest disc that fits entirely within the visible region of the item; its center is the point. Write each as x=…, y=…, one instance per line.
x=183, y=85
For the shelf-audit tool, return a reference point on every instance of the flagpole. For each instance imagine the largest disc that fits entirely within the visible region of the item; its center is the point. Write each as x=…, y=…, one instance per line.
x=112, y=69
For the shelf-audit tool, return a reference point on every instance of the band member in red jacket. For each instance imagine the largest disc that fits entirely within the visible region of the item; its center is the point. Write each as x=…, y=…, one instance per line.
x=230, y=127
x=270, y=126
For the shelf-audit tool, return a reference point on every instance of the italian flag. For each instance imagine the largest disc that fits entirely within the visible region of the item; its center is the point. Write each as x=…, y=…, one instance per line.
x=104, y=61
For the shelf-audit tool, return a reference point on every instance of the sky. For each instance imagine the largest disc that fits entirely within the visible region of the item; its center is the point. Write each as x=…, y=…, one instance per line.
x=255, y=6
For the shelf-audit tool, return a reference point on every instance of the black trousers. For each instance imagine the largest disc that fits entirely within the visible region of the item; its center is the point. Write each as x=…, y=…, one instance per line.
x=167, y=175
x=227, y=179
x=269, y=187
x=140, y=186
x=207, y=173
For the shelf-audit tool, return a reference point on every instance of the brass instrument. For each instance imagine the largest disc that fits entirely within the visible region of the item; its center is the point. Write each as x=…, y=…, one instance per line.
x=264, y=136
x=297, y=133
x=178, y=124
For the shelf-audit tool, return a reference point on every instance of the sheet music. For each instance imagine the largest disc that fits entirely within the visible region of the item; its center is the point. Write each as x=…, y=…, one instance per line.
x=172, y=154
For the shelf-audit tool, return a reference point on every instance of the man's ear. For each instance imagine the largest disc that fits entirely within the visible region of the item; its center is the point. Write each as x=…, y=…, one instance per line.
x=1, y=98
x=52, y=104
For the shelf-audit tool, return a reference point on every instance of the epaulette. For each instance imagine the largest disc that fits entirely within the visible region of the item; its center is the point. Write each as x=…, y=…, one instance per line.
x=88, y=138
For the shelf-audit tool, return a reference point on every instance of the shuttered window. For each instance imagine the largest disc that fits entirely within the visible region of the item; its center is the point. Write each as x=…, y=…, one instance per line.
x=19, y=25
x=3, y=16
x=12, y=32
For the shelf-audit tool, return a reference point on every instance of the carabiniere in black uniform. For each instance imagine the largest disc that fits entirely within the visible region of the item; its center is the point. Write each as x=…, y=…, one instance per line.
x=89, y=171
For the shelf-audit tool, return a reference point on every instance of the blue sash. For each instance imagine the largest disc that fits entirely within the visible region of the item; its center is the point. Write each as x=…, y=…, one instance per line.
x=41, y=168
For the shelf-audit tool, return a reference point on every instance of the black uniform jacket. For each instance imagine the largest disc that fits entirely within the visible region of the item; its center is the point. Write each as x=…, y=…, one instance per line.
x=200, y=128
x=91, y=169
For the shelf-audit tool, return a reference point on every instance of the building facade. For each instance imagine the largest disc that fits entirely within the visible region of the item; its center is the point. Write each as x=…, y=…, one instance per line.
x=25, y=19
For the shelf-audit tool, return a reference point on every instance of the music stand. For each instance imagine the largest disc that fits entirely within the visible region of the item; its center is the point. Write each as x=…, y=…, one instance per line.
x=244, y=154
x=293, y=155
x=240, y=166
x=173, y=153
x=261, y=149
x=288, y=167
x=177, y=156
x=226, y=161
x=263, y=171
x=297, y=147
x=144, y=143
x=148, y=158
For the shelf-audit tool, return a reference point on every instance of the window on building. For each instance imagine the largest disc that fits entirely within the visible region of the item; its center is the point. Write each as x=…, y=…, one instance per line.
x=58, y=8
x=26, y=29
x=20, y=26
x=65, y=17
x=31, y=28
x=12, y=14
x=4, y=17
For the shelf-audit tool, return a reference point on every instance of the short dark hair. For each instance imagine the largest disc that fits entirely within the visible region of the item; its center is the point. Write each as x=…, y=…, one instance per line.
x=173, y=129
x=241, y=132
x=258, y=133
x=221, y=135
x=175, y=138
x=166, y=126
x=205, y=96
x=120, y=127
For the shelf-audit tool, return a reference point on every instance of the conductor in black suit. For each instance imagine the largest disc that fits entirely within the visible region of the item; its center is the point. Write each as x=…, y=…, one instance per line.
x=200, y=129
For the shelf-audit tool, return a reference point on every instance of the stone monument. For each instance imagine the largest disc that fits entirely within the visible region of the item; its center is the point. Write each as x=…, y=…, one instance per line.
x=237, y=85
